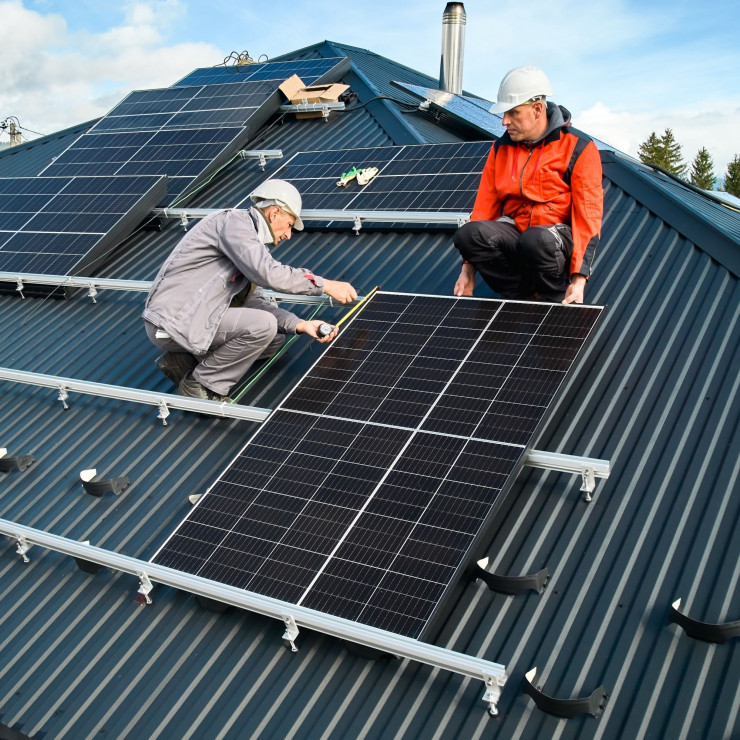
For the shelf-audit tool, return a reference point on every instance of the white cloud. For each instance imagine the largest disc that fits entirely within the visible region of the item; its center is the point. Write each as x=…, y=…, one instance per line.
x=713, y=127
x=52, y=78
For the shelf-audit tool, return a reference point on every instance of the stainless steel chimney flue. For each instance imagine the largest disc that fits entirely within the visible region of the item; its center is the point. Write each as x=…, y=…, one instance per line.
x=453, y=46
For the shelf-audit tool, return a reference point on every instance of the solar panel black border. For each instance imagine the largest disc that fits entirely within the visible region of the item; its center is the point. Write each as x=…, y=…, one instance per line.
x=288, y=575
x=147, y=191
x=441, y=178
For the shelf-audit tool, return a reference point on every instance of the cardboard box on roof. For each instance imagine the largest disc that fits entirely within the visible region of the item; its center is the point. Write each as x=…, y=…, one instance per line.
x=294, y=89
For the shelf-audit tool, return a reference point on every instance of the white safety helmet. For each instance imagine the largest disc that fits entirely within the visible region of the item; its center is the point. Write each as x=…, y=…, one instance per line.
x=520, y=85
x=279, y=193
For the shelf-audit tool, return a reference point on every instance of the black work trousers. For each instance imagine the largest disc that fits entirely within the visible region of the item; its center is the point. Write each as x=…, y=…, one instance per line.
x=519, y=264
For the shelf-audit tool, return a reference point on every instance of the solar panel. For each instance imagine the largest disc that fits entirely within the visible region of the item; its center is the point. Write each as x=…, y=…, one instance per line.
x=374, y=484
x=471, y=111
x=309, y=70
x=426, y=177
x=62, y=225
x=186, y=131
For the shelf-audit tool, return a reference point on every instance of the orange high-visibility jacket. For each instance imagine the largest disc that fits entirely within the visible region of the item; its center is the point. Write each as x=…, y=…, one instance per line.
x=555, y=180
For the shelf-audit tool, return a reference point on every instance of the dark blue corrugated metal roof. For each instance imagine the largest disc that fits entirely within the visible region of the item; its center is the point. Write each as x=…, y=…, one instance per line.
x=657, y=394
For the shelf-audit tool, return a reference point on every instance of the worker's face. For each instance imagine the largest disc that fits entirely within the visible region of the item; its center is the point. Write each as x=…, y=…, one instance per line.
x=281, y=223
x=524, y=123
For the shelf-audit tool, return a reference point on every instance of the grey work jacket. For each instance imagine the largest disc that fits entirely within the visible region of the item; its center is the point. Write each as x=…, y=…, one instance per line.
x=215, y=260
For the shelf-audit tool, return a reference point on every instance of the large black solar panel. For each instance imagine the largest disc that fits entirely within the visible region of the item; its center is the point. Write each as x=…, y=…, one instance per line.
x=470, y=111
x=185, y=132
x=309, y=70
x=373, y=485
x=64, y=225
x=426, y=177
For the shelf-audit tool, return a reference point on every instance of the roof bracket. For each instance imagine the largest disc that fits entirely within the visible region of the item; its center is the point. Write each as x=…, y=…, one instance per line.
x=164, y=412
x=19, y=286
x=92, y=292
x=145, y=588
x=357, y=225
x=63, y=396
x=97, y=487
x=511, y=585
x=717, y=633
x=567, y=708
x=184, y=221
x=23, y=547
x=14, y=462
x=494, y=685
x=291, y=632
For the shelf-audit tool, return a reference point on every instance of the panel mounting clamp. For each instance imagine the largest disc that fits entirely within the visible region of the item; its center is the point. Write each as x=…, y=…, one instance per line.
x=291, y=632
x=492, y=695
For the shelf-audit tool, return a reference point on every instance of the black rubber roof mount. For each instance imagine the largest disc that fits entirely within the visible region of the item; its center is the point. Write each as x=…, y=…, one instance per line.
x=567, y=708
x=717, y=633
x=14, y=462
x=96, y=486
x=511, y=585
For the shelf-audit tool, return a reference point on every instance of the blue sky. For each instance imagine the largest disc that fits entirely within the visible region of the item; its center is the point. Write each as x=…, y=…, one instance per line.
x=623, y=68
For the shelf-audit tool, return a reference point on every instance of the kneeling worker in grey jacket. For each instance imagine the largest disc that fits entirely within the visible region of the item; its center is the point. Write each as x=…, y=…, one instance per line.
x=208, y=341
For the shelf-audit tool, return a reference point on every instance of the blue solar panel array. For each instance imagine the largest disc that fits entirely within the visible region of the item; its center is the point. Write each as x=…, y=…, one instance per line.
x=368, y=491
x=309, y=70
x=185, y=131
x=63, y=225
x=426, y=177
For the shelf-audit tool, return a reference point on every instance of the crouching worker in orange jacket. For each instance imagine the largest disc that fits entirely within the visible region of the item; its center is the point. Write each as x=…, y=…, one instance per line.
x=536, y=221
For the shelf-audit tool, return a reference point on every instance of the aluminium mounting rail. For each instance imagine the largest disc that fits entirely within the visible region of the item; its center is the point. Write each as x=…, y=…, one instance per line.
x=492, y=674
x=163, y=401
x=138, y=286
x=355, y=217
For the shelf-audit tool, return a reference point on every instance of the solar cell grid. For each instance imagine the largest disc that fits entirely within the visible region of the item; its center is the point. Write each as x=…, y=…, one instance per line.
x=49, y=224
x=364, y=493
x=427, y=177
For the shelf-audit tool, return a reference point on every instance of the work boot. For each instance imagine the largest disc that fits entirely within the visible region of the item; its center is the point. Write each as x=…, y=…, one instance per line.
x=176, y=365
x=191, y=388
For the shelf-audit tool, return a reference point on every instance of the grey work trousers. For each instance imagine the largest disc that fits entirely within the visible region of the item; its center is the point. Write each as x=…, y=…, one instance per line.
x=243, y=336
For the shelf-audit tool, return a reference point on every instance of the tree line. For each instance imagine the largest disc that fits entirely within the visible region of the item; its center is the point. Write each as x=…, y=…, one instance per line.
x=664, y=151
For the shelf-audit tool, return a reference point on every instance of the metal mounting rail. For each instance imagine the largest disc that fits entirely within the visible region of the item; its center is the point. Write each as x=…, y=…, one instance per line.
x=163, y=401
x=589, y=468
x=352, y=216
x=492, y=674
x=138, y=286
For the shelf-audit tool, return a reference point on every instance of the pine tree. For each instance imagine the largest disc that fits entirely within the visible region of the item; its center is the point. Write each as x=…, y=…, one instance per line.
x=650, y=150
x=732, y=177
x=663, y=151
x=702, y=170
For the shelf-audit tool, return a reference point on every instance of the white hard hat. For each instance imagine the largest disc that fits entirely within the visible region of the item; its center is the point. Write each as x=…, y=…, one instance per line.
x=282, y=194
x=520, y=85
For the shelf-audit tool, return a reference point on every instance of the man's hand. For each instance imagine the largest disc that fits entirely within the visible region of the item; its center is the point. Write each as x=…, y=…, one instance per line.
x=466, y=282
x=339, y=291
x=311, y=328
x=574, y=294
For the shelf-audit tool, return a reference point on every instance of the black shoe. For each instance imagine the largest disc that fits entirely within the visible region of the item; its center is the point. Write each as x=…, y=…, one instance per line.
x=176, y=365
x=191, y=388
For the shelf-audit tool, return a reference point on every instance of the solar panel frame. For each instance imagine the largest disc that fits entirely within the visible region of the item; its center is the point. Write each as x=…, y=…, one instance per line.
x=287, y=577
